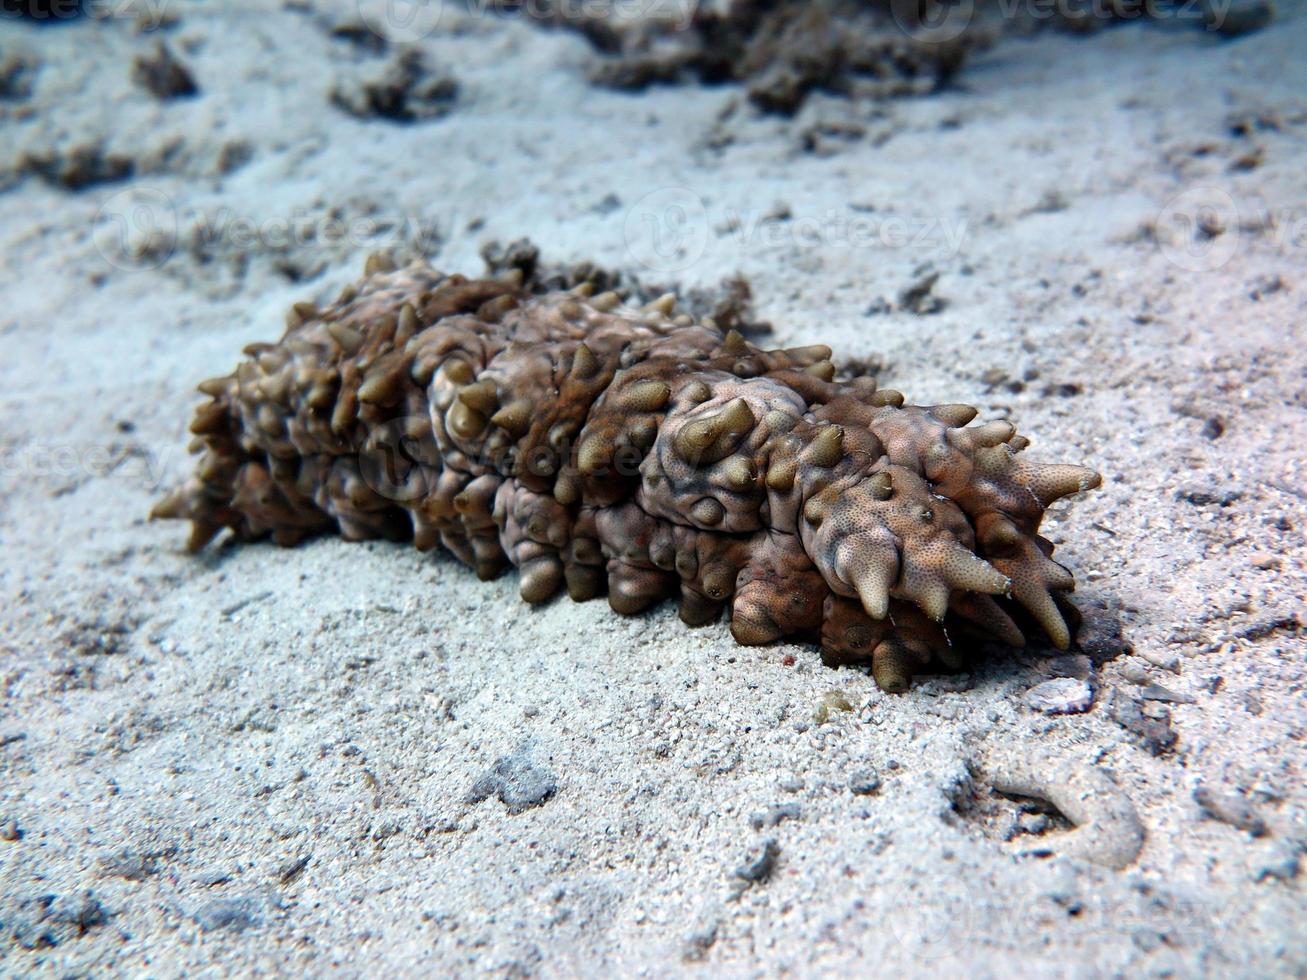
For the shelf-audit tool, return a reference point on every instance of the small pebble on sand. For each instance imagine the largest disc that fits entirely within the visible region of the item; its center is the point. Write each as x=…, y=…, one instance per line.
x=1061, y=696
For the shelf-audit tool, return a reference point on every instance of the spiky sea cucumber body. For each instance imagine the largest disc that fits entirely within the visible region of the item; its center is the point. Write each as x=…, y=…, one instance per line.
x=634, y=453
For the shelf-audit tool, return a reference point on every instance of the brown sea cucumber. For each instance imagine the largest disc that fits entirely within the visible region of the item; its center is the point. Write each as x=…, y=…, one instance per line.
x=636, y=453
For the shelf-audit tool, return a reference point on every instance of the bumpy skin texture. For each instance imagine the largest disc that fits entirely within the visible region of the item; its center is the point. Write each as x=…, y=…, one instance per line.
x=638, y=454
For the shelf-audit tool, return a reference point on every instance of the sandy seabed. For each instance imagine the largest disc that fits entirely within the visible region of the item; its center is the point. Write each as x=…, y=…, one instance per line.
x=355, y=759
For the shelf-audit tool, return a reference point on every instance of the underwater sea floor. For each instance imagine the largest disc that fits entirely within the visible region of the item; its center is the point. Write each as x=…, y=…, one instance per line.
x=353, y=758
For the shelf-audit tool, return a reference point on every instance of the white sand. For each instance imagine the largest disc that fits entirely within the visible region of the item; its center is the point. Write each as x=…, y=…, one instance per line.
x=177, y=734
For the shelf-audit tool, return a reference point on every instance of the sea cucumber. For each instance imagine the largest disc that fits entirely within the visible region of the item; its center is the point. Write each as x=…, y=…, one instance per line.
x=636, y=453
